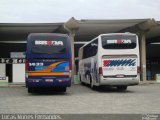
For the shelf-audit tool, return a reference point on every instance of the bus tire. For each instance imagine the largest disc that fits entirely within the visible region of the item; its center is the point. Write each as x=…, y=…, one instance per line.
x=80, y=78
x=91, y=83
x=122, y=87
x=30, y=90
x=82, y=83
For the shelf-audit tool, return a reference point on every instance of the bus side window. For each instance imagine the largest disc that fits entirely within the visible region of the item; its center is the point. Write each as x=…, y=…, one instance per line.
x=90, y=49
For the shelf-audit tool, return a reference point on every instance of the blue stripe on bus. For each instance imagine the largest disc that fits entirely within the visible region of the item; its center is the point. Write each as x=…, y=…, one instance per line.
x=61, y=67
x=124, y=62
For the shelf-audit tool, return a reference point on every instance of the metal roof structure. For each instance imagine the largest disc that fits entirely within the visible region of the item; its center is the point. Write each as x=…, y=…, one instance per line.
x=88, y=29
x=20, y=31
x=91, y=28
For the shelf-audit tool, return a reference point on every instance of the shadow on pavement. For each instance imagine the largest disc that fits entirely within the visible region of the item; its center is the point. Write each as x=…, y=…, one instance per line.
x=47, y=91
x=109, y=89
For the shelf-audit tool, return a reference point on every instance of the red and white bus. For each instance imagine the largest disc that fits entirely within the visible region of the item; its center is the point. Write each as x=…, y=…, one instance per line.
x=110, y=59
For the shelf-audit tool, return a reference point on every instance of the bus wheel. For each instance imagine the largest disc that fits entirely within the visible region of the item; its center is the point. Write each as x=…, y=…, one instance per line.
x=80, y=78
x=30, y=90
x=91, y=83
x=82, y=83
x=123, y=87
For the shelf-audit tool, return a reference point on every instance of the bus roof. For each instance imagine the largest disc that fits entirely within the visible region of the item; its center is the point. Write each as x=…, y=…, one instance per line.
x=47, y=34
x=125, y=33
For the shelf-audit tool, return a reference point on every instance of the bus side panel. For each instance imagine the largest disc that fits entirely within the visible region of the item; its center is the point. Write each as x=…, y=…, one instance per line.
x=88, y=69
x=84, y=67
x=95, y=70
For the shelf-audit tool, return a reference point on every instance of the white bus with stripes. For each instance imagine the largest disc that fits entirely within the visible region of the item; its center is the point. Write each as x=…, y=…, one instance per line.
x=110, y=59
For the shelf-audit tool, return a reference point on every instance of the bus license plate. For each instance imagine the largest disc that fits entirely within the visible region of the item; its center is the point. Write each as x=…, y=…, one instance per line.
x=49, y=80
x=120, y=76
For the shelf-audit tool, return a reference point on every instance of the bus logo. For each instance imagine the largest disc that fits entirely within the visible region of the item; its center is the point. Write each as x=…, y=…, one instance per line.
x=122, y=41
x=114, y=63
x=48, y=43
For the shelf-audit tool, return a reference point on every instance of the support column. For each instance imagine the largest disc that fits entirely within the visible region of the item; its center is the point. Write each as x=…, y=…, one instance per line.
x=72, y=26
x=71, y=35
x=143, y=56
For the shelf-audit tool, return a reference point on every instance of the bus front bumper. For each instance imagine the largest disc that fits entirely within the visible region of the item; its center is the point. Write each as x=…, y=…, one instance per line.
x=58, y=82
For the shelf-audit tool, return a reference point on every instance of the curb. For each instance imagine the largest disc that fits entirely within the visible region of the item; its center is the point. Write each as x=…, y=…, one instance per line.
x=148, y=82
x=13, y=85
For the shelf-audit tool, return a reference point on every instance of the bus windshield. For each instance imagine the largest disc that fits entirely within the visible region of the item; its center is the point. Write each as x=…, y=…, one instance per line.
x=49, y=46
x=118, y=42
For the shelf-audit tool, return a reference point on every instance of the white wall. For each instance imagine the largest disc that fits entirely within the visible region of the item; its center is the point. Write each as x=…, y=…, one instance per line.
x=2, y=70
x=18, y=73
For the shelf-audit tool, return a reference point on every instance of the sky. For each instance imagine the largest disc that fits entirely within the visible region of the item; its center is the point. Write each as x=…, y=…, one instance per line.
x=49, y=11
